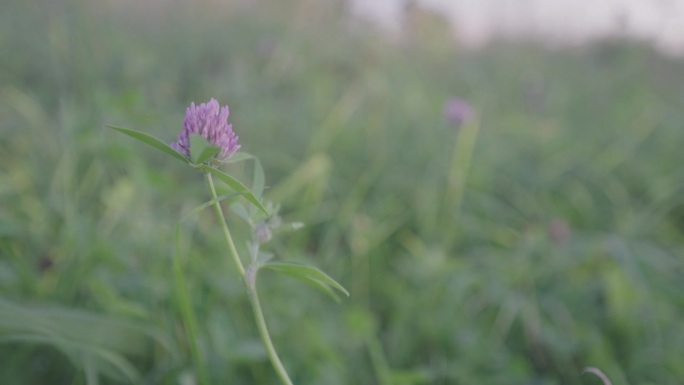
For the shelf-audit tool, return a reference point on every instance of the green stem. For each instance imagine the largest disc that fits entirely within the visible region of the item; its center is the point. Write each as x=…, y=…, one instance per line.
x=460, y=166
x=379, y=361
x=457, y=178
x=185, y=305
x=266, y=338
x=224, y=226
x=250, y=283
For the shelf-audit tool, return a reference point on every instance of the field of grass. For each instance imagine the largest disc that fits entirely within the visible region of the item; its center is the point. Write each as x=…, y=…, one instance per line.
x=544, y=237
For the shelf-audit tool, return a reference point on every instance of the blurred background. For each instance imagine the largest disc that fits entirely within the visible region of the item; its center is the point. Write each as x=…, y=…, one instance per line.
x=504, y=209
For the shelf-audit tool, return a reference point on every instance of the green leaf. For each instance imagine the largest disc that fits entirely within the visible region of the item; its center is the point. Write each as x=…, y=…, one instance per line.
x=235, y=185
x=239, y=209
x=207, y=154
x=207, y=204
x=152, y=141
x=310, y=275
x=259, y=179
x=238, y=157
x=201, y=150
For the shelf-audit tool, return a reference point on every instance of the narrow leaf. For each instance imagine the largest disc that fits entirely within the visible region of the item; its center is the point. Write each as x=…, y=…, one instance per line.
x=239, y=209
x=152, y=141
x=207, y=204
x=239, y=157
x=308, y=274
x=235, y=185
x=322, y=287
x=259, y=179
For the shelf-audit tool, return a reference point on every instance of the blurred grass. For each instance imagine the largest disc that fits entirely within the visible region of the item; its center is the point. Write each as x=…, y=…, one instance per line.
x=566, y=250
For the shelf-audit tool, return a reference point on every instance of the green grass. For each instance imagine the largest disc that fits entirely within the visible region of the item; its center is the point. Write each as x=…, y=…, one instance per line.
x=350, y=131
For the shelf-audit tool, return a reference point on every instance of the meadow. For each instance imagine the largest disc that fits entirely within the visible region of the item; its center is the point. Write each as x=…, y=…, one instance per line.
x=541, y=238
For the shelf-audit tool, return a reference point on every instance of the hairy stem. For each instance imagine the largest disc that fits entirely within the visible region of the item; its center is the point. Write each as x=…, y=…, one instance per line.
x=224, y=226
x=266, y=338
x=250, y=282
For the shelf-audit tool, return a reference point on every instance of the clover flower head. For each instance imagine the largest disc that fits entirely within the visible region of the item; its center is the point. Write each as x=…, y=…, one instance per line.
x=210, y=121
x=458, y=111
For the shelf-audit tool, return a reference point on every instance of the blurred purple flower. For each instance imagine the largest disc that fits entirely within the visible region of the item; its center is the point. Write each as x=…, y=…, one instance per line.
x=458, y=111
x=559, y=231
x=210, y=122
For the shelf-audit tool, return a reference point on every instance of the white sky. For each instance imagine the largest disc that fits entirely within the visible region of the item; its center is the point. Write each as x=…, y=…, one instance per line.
x=571, y=21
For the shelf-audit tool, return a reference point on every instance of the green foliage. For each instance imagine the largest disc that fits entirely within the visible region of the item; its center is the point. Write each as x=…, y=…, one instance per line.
x=156, y=143
x=310, y=275
x=235, y=185
x=545, y=240
x=205, y=153
x=100, y=345
x=200, y=150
